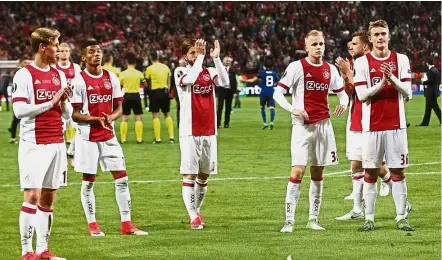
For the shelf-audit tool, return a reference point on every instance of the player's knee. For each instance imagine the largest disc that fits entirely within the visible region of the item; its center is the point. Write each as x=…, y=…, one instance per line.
x=397, y=173
x=372, y=173
x=316, y=173
x=298, y=172
x=356, y=166
x=272, y=108
x=203, y=177
x=32, y=196
x=189, y=177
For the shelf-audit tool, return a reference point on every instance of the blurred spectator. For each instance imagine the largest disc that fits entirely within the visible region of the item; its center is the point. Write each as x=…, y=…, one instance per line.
x=248, y=31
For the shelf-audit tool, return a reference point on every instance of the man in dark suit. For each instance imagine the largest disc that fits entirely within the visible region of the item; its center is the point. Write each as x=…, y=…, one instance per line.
x=431, y=93
x=225, y=93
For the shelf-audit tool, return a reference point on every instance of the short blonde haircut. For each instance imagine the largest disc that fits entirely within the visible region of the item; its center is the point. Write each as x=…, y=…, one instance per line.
x=43, y=35
x=64, y=44
x=378, y=23
x=314, y=33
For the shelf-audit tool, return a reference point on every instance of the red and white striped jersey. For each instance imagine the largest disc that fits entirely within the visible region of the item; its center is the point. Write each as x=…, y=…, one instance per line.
x=197, y=102
x=96, y=95
x=34, y=85
x=70, y=70
x=385, y=110
x=310, y=84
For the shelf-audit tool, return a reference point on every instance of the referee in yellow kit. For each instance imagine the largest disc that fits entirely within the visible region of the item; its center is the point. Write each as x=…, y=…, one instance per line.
x=159, y=99
x=131, y=79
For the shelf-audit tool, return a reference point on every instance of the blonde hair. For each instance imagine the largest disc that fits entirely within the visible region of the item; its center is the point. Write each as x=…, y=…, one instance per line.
x=378, y=23
x=43, y=35
x=314, y=33
x=64, y=44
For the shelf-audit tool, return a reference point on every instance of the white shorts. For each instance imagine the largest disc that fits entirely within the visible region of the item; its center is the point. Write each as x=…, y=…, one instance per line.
x=42, y=165
x=88, y=154
x=354, y=145
x=315, y=143
x=391, y=145
x=198, y=154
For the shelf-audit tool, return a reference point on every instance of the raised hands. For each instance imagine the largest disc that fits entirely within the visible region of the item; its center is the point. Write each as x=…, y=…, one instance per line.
x=200, y=46
x=214, y=53
x=61, y=95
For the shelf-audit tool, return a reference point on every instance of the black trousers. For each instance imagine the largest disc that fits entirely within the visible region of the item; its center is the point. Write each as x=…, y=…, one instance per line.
x=431, y=104
x=224, y=95
x=6, y=100
x=14, y=124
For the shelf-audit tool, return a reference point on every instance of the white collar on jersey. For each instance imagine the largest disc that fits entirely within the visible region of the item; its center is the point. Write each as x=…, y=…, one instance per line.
x=94, y=76
x=381, y=59
x=48, y=68
x=64, y=67
x=313, y=64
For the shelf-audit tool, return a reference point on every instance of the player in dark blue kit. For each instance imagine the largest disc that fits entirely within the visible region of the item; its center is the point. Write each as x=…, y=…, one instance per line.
x=267, y=81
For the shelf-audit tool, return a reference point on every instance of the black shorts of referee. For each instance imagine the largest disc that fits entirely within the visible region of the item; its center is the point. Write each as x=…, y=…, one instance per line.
x=159, y=99
x=132, y=101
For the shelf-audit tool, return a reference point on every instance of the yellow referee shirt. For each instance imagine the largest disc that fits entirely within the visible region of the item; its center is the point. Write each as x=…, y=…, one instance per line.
x=131, y=79
x=112, y=69
x=159, y=74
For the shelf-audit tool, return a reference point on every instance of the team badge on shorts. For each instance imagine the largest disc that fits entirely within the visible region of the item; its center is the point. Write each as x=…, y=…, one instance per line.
x=55, y=81
x=326, y=74
x=107, y=84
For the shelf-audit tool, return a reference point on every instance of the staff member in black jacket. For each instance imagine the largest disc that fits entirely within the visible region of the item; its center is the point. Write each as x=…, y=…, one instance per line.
x=225, y=93
x=431, y=93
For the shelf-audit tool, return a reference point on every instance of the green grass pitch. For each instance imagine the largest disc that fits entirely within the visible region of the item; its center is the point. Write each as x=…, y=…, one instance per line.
x=244, y=208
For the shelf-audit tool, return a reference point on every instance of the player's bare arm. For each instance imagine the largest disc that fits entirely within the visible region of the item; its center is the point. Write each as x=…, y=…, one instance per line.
x=92, y=120
x=118, y=111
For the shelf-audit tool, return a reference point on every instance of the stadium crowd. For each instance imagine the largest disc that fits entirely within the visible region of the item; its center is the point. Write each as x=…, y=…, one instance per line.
x=248, y=31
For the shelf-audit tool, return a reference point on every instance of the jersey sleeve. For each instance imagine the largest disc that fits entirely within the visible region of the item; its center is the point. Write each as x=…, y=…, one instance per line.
x=178, y=74
x=22, y=86
x=404, y=68
x=291, y=74
x=117, y=93
x=337, y=83
x=78, y=92
x=213, y=73
x=359, y=77
x=77, y=68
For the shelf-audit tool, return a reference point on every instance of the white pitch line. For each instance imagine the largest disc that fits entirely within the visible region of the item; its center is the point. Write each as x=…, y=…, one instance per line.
x=330, y=175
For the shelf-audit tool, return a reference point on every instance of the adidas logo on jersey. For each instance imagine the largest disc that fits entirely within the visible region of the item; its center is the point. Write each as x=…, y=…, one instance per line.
x=308, y=75
x=37, y=82
x=90, y=88
x=372, y=70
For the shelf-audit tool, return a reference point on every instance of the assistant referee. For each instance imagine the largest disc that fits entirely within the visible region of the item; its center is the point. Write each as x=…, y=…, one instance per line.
x=159, y=76
x=131, y=79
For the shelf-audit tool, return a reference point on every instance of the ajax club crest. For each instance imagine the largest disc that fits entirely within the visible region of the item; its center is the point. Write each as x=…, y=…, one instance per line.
x=107, y=84
x=55, y=81
x=206, y=77
x=326, y=74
